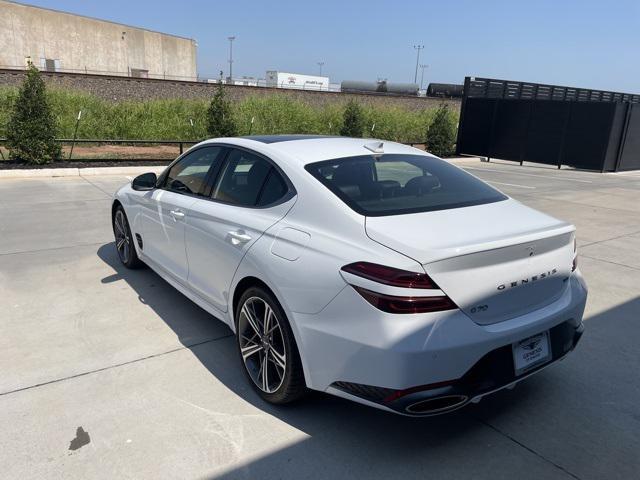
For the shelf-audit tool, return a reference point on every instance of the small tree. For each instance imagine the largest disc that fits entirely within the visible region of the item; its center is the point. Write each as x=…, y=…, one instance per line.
x=32, y=127
x=353, y=123
x=441, y=134
x=220, y=122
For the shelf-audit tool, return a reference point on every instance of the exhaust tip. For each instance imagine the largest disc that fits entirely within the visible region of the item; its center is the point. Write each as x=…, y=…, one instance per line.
x=432, y=406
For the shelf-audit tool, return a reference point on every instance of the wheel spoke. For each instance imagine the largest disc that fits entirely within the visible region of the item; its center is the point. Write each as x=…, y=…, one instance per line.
x=278, y=358
x=118, y=225
x=265, y=376
x=120, y=243
x=250, y=350
x=267, y=319
x=251, y=319
x=250, y=340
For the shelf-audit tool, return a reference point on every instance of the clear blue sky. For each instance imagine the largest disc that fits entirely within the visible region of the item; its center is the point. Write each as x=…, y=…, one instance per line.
x=577, y=43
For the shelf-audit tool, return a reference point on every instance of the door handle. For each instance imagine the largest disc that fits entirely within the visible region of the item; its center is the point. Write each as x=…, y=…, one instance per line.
x=176, y=214
x=239, y=237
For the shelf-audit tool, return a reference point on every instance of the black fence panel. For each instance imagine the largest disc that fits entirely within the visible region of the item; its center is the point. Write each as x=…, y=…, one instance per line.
x=478, y=114
x=587, y=135
x=549, y=124
x=544, y=141
x=630, y=148
x=510, y=125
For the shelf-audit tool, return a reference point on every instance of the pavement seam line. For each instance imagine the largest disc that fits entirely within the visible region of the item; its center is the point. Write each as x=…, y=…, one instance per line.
x=609, y=239
x=529, y=449
x=608, y=261
x=52, y=248
x=552, y=199
x=109, y=195
x=58, y=380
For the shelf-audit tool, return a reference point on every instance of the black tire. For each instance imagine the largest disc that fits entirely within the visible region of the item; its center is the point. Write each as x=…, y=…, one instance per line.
x=125, y=247
x=280, y=341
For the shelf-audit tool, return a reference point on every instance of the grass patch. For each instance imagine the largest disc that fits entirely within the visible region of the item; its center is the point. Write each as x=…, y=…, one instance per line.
x=169, y=119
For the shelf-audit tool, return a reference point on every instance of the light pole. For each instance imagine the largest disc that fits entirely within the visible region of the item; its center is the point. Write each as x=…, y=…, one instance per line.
x=418, y=48
x=231, y=39
x=320, y=64
x=422, y=66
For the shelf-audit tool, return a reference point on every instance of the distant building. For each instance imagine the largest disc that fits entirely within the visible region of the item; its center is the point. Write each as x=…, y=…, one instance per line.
x=59, y=41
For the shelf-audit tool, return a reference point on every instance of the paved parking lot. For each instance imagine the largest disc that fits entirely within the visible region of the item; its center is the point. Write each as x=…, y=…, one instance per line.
x=109, y=373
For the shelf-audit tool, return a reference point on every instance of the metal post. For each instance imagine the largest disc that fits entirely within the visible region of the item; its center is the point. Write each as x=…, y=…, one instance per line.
x=465, y=94
x=491, y=132
x=320, y=64
x=623, y=137
x=231, y=39
x=418, y=48
x=75, y=133
x=422, y=66
x=523, y=146
x=564, y=135
x=180, y=148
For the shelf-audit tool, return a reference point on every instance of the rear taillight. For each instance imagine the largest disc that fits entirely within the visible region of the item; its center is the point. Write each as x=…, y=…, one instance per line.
x=393, y=304
x=403, y=279
x=390, y=276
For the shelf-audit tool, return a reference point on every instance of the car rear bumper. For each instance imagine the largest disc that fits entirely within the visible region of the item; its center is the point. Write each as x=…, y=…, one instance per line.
x=353, y=350
x=491, y=373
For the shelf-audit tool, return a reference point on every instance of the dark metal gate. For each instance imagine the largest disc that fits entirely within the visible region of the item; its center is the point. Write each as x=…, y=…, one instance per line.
x=550, y=124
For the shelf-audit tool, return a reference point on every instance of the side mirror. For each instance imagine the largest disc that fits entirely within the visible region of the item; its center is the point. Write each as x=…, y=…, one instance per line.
x=146, y=181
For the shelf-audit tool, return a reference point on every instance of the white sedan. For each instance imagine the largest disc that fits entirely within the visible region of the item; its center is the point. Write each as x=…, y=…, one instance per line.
x=366, y=269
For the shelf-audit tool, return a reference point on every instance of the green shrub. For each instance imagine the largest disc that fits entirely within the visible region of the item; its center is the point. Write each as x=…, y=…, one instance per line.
x=441, y=134
x=31, y=128
x=220, y=122
x=353, y=123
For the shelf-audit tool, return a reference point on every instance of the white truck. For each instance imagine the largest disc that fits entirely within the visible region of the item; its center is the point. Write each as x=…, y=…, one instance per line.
x=295, y=80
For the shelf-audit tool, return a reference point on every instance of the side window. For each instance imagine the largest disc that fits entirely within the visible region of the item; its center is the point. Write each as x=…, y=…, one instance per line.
x=189, y=174
x=249, y=180
x=274, y=189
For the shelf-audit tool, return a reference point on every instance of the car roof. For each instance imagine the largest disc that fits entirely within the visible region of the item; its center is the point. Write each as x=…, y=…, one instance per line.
x=305, y=149
x=284, y=138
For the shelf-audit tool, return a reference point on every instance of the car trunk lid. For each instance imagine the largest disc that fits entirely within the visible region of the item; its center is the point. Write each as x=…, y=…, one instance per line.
x=495, y=261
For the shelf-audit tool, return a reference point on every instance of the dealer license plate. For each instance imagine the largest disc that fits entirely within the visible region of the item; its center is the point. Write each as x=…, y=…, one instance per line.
x=531, y=352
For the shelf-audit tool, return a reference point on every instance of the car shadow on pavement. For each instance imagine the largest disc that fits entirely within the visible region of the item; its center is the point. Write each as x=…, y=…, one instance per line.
x=342, y=436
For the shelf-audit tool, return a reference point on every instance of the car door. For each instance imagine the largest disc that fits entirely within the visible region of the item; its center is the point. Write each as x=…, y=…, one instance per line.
x=249, y=195
x=165, y=209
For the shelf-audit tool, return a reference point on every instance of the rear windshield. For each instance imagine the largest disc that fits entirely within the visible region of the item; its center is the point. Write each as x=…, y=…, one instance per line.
x=398, y=184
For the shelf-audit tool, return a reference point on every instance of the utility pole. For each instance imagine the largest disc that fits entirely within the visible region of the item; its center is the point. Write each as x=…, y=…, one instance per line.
x=418, y=48
x=231, y=39
x=320, y=64
x=422, y=66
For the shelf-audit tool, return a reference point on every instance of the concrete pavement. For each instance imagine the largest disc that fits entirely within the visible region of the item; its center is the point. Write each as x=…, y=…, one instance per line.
x=141, y=383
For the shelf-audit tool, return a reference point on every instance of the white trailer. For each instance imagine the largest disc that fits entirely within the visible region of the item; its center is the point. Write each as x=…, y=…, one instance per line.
x=296, y=80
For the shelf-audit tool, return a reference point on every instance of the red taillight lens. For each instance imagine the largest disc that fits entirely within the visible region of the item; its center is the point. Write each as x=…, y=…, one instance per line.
x=393, y=304
x=390, y=276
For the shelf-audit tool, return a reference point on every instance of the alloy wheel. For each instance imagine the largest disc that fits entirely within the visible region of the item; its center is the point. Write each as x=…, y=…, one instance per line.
x=123, y=236
x=262, y=344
